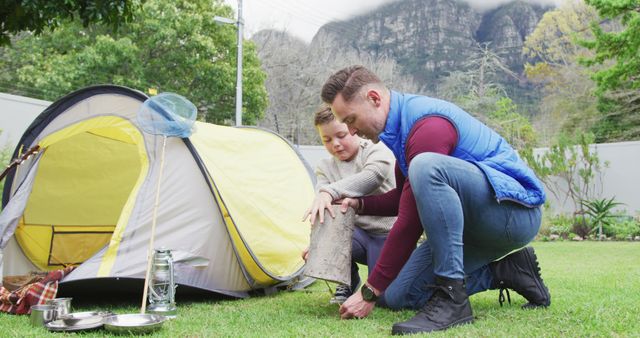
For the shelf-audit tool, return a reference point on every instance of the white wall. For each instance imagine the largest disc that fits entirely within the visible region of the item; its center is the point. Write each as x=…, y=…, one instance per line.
x=313, y=154
x=16, y=114
x=620, y=180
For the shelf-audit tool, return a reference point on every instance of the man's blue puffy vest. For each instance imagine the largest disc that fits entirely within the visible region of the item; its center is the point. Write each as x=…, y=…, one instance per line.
x=509, y=176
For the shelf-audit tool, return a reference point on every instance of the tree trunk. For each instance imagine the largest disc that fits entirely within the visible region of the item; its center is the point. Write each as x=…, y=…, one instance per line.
x=330, y=247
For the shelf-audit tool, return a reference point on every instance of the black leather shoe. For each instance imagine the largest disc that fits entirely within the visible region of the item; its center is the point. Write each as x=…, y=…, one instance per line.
x=520, y=272
x=447, y=307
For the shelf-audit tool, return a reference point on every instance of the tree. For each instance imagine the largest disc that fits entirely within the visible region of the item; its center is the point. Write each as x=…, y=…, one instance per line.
x=570, y=168
x=511, y=125
x=478, y=91
x=290, y=87
x=483, y=69
x=170, y=46
x=479, y=77
x=296, y=72
x=618, y=85
x=621, y=46
x=38, y=15
x=476, y=87
x=568, y=102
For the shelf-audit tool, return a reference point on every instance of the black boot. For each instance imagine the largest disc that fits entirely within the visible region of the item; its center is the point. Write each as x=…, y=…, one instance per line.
x=448, y=306
x=520, y=272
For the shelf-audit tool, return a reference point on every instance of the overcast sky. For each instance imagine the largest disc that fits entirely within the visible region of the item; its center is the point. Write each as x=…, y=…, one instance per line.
x=303, y=18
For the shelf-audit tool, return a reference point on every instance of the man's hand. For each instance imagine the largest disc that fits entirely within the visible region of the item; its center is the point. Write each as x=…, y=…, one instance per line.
x=356, y=307
x=322, y=201
x=349, y=202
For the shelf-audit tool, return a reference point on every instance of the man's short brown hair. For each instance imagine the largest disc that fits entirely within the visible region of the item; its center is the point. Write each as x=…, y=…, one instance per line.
x=323, y=116
x=347, y=82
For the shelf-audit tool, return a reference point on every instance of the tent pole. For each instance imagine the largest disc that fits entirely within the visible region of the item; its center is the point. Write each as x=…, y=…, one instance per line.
x=153, y=229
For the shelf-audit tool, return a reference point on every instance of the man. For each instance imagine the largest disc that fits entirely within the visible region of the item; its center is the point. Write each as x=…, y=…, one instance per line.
x=459, y=182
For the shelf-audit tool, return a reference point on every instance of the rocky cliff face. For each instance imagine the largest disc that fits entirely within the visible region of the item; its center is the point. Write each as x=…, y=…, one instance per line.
x=429, y=38
x=507, y=27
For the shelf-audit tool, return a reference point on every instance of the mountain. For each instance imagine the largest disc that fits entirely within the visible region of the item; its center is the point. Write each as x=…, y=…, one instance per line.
x=507, y=27
x=430, y=38
x=412, y=45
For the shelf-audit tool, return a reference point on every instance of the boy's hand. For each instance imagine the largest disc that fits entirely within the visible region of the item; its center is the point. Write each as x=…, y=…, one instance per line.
x=322, y=201
x=305, y=254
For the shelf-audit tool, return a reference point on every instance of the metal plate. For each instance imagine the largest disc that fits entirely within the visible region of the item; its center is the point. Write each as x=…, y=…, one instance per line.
x=133, y=323
x=75, y=324
x=87, y=314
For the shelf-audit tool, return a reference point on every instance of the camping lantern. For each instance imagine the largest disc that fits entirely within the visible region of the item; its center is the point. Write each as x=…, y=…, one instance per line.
x=162, y=287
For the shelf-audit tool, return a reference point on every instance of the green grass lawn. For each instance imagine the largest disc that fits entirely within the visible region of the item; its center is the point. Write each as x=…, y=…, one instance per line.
x=595, y=289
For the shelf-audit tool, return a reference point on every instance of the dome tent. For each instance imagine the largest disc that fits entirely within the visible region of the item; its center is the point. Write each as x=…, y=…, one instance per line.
x=230, y=206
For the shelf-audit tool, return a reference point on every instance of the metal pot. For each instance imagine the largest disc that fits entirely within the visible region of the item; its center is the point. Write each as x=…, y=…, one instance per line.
x=42, y=314
x=62, y=305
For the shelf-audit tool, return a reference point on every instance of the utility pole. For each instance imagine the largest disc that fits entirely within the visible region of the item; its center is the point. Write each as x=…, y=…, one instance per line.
x=239, y=68
x=239, y=23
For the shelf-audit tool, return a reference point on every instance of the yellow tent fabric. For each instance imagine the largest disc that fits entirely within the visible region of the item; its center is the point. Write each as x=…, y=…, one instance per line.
x=85, y=177
x=249, y=198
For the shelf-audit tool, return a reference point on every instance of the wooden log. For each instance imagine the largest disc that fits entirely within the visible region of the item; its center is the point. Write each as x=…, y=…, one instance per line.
x=330, y=247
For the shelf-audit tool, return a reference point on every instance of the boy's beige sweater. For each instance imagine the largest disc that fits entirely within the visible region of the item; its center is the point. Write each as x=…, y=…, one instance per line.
x=370, y=172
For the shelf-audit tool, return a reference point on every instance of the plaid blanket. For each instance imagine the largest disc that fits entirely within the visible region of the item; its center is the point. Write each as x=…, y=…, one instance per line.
x=19, y=302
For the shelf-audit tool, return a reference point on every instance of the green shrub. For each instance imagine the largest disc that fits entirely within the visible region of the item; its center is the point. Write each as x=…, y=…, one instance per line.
x=600, y=212
x=560, y=225
x=618, y=225
x=627, y=229
x=581, y=227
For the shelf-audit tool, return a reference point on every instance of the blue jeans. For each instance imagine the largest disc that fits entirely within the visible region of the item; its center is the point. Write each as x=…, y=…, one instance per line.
x=466, y=229
x=365, y=249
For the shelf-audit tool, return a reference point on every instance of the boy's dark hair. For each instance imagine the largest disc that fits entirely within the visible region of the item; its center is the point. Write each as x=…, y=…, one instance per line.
x=324, y=115
x=347, y=82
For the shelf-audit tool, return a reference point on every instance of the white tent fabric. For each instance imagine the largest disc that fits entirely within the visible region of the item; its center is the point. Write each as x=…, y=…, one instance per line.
x=231, y=198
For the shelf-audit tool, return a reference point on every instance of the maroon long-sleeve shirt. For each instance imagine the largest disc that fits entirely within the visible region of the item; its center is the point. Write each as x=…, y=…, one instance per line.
x=431, y=134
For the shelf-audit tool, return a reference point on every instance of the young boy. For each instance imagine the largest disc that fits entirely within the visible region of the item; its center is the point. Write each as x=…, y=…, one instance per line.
x=358, y=168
